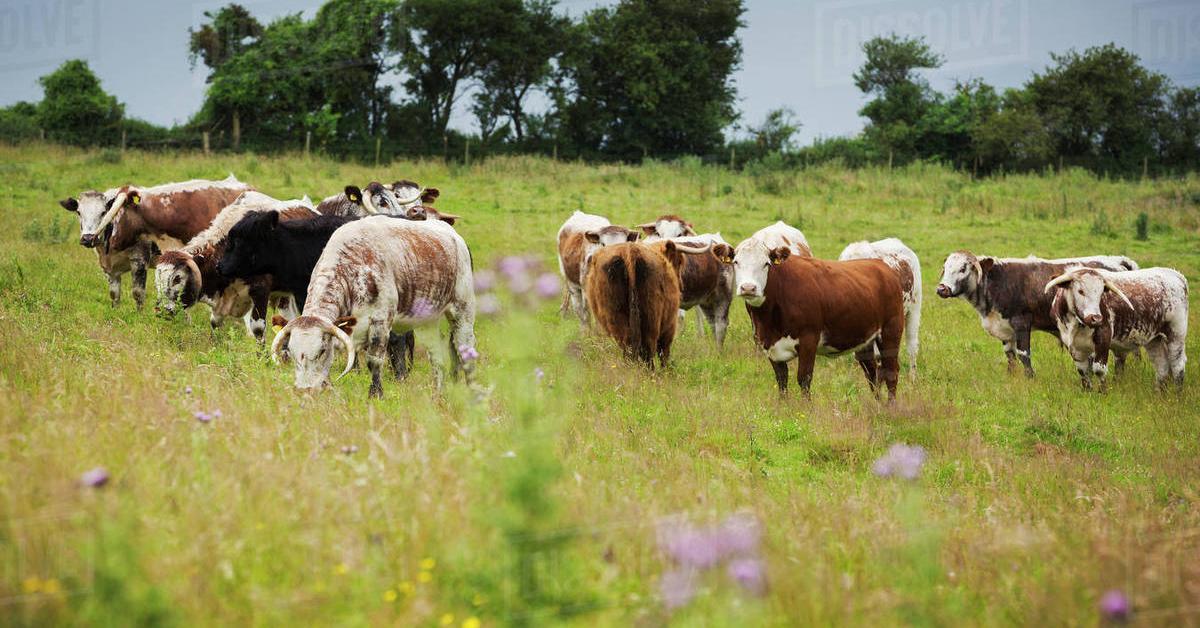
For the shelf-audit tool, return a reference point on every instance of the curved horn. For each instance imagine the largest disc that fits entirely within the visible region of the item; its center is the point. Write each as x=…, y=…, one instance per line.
x=118, y=203
x=1111, y=286
x=196, y=276
x=345, y=338
x=1066, y=277
x=413, y=199
x=280, y=338
x=368, y=204
x=689, y=250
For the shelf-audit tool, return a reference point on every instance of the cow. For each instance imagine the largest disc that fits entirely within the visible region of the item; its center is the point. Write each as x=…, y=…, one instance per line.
x=904, y=261
x=1009, y=296
x=633, y=292
x=770, y=238
x=189, y=275
x=168, y=215
x=388, y=274
x=578, y=238
x=1097, y=311
x=705, y=281
x=90, y=207
x=801, y=307
x=261, y=244
x=666, y=227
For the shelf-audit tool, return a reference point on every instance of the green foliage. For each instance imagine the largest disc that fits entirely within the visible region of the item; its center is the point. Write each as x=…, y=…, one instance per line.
x=774, y=133
x=228, y=33
x=18, y=122
x=75, y=109
x=1142, y=226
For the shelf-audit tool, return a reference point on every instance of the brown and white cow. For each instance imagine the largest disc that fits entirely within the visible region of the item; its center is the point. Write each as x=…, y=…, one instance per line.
x=1009, y=294
x=667, y=226
x=801, y=307
x=1097, y=311
x=90, y=207
x=189, y=275
x=633, y=292
x=578, y=239
x=769, y=238
x=376, y=275
x=904, y=261
x=168, y=215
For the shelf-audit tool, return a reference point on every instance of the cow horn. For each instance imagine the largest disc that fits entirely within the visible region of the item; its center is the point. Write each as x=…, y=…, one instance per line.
x=689, y=250
x=368, y=204
x=345, y=338
x=197, y=278
x=416, y=197
x=1111, y=286
x=280, y=338
x=112, y=212
x=1066, y=277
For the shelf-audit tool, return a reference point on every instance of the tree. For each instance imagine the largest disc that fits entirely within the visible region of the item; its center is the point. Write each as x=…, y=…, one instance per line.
x=946, y=130
x=654, y=77
x=1181, y=129
x=516, y=60
x=350, y=45
x=76, y=108
x=902, y=97
x=775, y=133
x=441, y=44
x=1100, y=106
x=1013, y=137
x=230, y=31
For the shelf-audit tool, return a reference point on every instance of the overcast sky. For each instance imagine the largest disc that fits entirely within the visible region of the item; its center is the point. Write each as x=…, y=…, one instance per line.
x=798, y=54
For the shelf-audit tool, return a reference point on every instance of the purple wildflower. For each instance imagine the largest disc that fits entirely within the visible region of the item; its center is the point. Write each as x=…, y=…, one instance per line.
x=487, y=304
x=467, y=353
x=512, y=266
x=688, y=545
x=349, y=449
x=187, y=390
x=678, y=587
x=422, y=308
x=901, y=461
x=94, y=478
x=216, y=413
x=738, y=535
x=202, y=417
x=539, y=374
x=519, y=283
x=547, y=286
x=1115, y=606
x=750, y=573
x=485, y=280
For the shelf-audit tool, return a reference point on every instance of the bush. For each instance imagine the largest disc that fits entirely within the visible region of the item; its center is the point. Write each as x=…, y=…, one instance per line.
x=17, y=125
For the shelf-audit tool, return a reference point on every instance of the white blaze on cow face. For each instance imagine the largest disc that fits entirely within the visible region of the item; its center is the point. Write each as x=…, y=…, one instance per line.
x=172, y=282
x=960, y=275
x=1084, y=289
x=751, y=264
x=311, y=349
x=90, y=207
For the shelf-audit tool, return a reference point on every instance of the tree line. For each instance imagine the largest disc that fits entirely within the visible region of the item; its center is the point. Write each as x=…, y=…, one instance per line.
x=642, y=78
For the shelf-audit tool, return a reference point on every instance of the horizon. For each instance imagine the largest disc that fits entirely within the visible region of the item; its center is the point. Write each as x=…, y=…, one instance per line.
x=1000, y=41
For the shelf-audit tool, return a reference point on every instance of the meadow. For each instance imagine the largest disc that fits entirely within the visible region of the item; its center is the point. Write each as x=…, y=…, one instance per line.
x=554, y=499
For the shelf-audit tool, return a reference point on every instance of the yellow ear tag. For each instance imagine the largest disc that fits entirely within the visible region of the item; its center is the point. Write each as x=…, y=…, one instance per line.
x=277, y=328
x=777, y=262
x=727, y=260
x=136, y=199
x=353, y=198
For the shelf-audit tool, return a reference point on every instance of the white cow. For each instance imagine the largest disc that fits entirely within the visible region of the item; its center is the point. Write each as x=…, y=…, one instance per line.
x=904, y=261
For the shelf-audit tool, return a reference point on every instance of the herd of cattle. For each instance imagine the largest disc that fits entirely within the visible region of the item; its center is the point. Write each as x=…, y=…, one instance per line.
x=373, y=269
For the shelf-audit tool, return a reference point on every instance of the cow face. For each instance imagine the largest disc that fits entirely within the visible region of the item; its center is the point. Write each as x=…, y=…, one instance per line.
x=311, y=342
x=1083, y=290
x=90, y=207
x=961, y=274
x=611, y=235
x=409, y=194
x=177, y=278
x=751, y=265
x=668, y=227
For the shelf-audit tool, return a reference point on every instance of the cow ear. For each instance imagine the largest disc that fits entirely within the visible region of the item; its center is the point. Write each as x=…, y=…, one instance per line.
x=777, y=255
x=278, y=322
x=354, y=194
x=985, y=264
x=592, y=236
x=649, y=228
x=69, y=204
x=724, y=252
x=134, y=198
x=632, y=236
x=345, y=323
x=430, y=195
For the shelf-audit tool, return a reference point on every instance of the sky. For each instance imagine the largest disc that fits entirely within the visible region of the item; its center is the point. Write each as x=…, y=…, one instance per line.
x=797, y=54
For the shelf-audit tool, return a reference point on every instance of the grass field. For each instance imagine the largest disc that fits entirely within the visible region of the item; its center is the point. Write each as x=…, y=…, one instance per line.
x=544, y=504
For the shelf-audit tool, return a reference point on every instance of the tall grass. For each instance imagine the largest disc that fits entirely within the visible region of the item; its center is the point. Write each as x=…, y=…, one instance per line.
x=539, y=505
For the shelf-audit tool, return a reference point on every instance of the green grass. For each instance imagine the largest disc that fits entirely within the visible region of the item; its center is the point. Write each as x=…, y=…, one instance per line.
x=540, y=505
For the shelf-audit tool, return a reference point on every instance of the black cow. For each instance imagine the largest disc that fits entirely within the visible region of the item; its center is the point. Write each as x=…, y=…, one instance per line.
x=260, y=244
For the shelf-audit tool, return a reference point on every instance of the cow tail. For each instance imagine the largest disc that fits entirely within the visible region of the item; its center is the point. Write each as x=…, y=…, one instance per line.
x=638, y=278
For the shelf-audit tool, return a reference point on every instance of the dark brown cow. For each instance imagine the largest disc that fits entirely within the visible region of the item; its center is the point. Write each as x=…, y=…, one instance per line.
x=633, y=292
x=810, y=306
x=169, y=215
x=1009, y=295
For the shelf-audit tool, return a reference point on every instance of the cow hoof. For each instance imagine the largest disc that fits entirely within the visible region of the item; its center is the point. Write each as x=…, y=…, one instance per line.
x=376, y=392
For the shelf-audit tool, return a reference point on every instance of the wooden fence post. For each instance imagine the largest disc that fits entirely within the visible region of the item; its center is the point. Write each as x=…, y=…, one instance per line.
x=237, y=130
x=307, y=143
x=206, y=144
x=555, y=154
x=1145, y=167
x=445, y=147
x=732, y=157
x=378, y=146
x=122, y=139
x=467, y=153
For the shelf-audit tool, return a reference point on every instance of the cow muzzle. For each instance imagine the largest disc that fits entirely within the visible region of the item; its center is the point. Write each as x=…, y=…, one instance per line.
x=747, y=290
x=944, y=291
x=1092, y=320
x=88, y=240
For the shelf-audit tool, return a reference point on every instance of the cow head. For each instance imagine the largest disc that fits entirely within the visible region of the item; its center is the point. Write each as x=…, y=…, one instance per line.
x=375, y=199
x=309, y=343
x=177, y=278
x=752, y=262
x=240, y=258
x=610, y=235
x=95, y=211
x=962, y=273
x=668, y=226
x=409, y=193
x=1083, y=288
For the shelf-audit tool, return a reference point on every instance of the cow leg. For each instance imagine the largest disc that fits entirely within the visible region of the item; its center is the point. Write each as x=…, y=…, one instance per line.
x=256, y=318
x=912, y=324
x=1100, y=367
x=1176, y=360
x=781, y=375
x=578, y=303
x=718, y=320
x=888, y=345
x=376, y=348
x=866, y=360
x=400, y=348
x=806, y=360
x=1010, y=352
x=1021, y=330
x=664, y=350
x=114, y=288
x=462, y=334
x=138, y=287
x=699, y=322
x=1083, y=366
x=1119, y=361
x=431, y=339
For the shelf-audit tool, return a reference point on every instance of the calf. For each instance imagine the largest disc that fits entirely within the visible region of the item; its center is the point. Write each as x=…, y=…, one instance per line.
x=168, y=215
x=1009, y=295
x=389, y=274
x=578, y=239
x=262, y=244
x=904, y=262
x=1098, y=310
x=91, y=207
x=801, y=306
x=633, y=291
x=188, y=275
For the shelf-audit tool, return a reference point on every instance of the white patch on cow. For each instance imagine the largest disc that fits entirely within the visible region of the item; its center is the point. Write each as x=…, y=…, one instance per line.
x=192, y=185
x=781, y=234
x=783, y=350
x=998, y=326
x=92, y=207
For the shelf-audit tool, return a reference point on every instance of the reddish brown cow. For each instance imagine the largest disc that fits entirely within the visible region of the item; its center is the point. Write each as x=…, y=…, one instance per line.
x=633, y=292
x=812, y=306
x=578, y=239
x=169, y=215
